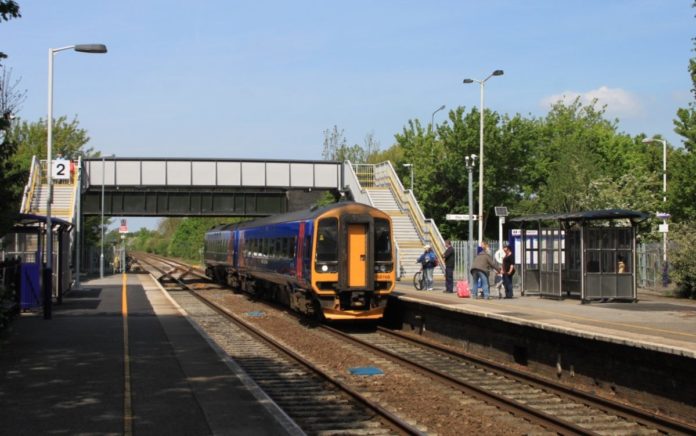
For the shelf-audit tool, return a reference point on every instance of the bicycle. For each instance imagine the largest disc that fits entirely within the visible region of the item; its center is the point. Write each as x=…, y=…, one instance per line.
x=418, y=280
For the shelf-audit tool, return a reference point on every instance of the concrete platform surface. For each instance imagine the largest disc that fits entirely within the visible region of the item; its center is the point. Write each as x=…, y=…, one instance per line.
x=67, y=375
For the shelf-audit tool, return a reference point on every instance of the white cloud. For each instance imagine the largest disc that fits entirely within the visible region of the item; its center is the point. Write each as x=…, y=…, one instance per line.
x=619, y=103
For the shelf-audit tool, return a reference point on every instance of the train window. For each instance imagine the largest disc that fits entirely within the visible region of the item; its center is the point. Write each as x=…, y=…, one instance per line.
x=327, y=240
x=284, y=248
x=382, y=241
x=263, y=247
x=291, y=250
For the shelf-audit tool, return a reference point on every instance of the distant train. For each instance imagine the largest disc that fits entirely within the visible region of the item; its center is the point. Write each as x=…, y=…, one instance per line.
x=336, y=262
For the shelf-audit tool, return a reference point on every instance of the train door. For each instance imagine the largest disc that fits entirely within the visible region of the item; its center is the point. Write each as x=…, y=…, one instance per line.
x=357, y=255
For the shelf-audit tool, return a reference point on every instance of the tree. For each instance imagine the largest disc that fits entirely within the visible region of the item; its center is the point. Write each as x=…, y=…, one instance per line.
x=682, y=164
x=685, y=124
x=336, y=147
x=8, y=9
x=334, y=140
x=10, y=175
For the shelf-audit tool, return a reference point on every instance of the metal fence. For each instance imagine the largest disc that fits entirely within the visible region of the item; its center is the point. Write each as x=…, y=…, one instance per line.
x=464, y=256
x=651, y=268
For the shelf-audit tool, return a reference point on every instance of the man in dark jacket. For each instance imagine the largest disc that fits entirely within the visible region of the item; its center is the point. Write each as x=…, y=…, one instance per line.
x=508, y=270
x=449, y=267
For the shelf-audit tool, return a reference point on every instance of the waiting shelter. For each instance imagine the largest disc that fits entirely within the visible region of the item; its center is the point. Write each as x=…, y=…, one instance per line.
x=26, y=242
x=589, y=255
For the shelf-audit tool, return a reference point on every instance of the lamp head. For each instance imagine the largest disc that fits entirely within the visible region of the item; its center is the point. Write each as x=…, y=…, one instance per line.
x=468, y=81
x=441, y=107
x=650, y=140
x=498, y=73
x=407, y=165
x=91, y=48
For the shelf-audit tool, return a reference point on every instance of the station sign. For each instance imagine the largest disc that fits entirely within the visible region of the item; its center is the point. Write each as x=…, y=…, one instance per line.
x=460, y=217
x=60, y=169
x=123, y=228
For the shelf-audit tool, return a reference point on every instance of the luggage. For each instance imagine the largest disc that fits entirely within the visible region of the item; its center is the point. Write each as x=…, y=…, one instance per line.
x=463, y=289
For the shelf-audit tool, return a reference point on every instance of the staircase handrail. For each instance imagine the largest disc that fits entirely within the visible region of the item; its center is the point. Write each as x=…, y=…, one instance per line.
x=409, y=203
x=352, y=183
x=30, y=187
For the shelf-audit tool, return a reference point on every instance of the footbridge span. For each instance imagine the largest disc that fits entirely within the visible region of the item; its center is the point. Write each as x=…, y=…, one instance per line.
x=203, y=187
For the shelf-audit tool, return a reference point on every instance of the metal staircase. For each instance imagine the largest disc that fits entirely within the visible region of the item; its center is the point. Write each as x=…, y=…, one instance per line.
x=379, y=186
x=36, y=193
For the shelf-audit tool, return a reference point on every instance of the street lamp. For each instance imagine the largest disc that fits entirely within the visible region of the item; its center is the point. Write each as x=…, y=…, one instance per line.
x=664, y=196
x=469, y=163
x=480, y=208
x=83, y=48
x=432, y=118
x=408, y=165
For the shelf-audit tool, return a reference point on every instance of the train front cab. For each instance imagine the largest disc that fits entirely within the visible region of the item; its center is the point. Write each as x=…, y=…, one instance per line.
x=353, y=267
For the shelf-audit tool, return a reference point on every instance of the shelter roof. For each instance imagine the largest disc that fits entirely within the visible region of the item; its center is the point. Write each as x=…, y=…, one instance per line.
x=588, y=215
x=30, y=219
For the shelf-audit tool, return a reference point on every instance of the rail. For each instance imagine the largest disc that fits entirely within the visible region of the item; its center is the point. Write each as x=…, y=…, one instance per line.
x=389, y=418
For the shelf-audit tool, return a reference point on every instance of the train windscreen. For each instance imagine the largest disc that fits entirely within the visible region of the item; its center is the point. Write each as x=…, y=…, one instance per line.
x=383, y=250
x=327, y=245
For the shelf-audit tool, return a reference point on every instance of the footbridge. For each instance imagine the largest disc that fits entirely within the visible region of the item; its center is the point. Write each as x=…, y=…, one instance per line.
x=203, y=187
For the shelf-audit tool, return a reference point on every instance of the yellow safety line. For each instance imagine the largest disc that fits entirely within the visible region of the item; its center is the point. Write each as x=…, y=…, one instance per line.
x=618, y=324
x=127, y=404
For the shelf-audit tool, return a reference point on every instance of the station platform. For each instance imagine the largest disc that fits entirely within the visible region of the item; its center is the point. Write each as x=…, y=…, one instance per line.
x=100, y=366
x=643, y=352
x=655, y=323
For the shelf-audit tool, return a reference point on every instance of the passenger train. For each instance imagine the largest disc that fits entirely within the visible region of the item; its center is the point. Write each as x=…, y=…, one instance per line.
x=335, y=262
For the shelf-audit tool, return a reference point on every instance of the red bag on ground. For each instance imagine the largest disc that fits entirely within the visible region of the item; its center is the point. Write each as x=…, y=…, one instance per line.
x=463, y=289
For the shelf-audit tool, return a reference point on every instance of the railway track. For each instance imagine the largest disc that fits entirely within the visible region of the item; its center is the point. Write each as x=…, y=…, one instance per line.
x=318, y=403
x=554, y=406
x=535, y=400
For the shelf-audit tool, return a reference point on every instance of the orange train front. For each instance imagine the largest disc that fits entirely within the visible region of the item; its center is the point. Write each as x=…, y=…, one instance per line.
x=336, y=262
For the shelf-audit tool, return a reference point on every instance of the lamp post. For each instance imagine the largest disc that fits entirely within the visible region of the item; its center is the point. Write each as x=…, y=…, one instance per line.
x=101, y=226
x=469, y=163
x=664, y=201
x=480, y=208
x=101, y=254
x=432, y=118
x=48, y=273
x=408, y=165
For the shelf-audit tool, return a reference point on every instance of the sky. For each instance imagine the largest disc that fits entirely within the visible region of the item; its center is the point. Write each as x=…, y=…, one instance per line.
x=264, y=79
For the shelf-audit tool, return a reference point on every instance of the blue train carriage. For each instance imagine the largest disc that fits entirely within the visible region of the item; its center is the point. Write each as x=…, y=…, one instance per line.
x=336, y=261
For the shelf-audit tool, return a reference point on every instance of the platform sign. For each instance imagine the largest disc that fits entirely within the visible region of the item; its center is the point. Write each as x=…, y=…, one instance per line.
x=123, y=228
x=459, y=217
x=663, y=228
x=60, y=169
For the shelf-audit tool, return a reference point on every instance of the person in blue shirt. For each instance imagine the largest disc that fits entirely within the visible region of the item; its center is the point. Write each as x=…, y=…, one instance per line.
x=428, y=261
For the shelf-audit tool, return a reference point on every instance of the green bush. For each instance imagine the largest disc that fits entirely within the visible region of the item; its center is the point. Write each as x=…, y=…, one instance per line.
x=682, y=259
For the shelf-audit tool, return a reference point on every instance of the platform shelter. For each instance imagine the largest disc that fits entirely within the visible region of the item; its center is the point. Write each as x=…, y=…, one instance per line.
x=26, y=242
x=589, y=255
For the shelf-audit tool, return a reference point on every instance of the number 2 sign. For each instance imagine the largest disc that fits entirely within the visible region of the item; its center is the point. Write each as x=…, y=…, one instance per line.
x=61, y=169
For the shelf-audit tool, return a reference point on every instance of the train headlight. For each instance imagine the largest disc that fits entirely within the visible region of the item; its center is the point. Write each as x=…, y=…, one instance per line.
x=324, y=268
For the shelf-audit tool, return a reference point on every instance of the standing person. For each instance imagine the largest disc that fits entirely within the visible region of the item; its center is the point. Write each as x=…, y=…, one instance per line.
x=427, y=259
x=482, y=264
x=449, y=267
x=508, y=270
